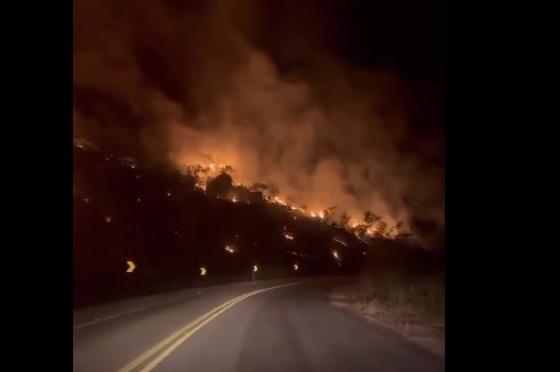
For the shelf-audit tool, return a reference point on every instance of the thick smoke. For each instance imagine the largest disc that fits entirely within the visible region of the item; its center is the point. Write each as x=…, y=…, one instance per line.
x=192, y=84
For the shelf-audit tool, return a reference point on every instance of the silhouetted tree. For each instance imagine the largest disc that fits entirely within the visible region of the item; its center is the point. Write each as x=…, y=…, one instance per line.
x=220, y=186
x=344, y=219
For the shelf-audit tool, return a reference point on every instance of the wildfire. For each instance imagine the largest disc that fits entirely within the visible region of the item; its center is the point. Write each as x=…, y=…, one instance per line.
x=201, y=186
x=341, y=242
x=336, y=255
x=288, y=236
x=279, y=201
x=204, y=169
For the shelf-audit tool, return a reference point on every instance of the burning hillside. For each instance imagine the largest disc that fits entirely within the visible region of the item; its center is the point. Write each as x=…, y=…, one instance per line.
x=203, y=89
x=218, y=181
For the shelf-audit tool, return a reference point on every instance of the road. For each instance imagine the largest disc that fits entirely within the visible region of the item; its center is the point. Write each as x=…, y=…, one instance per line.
x=287, y=328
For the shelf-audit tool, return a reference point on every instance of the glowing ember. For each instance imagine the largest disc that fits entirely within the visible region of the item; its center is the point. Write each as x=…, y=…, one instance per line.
x=168, y=193
x=86, y=200
x=296, y=267
x=341, y=242
x=279, y=201
x=336, y=255
x=234, y=199
x=108, y=219
x=229, y=249
x=289, y=236
x=138, y=200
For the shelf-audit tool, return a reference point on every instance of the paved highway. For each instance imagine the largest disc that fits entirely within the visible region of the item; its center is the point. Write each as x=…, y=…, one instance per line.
x=275, y=325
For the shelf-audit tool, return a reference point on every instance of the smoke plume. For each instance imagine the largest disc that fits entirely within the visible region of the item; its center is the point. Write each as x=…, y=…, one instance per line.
x=203, y=82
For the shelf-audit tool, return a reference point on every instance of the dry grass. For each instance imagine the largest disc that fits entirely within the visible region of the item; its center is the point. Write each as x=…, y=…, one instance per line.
x=408, y=300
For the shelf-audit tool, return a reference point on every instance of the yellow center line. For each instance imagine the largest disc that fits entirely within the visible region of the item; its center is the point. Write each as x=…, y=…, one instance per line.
x=185, y=332
x=145, y=355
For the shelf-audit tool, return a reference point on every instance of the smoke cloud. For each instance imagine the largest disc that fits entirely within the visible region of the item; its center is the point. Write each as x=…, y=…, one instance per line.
x=203, y=83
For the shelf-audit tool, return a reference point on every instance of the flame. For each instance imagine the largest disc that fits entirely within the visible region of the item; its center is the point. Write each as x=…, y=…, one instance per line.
x=341, y=242
x=279, y=201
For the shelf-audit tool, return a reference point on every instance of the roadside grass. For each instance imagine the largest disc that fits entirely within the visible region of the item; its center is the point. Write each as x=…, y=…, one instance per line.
x=402, y=290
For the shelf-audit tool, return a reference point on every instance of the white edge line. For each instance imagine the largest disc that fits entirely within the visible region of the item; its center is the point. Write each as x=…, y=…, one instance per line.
x=95, y=321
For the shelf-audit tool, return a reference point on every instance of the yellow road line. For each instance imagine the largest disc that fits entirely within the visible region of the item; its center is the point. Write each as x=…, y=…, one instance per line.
x=185, y=332
x=145, y=355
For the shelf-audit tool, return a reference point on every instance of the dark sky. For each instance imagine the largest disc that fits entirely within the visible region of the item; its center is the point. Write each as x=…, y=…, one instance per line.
x=403, y=35
x=342, y=99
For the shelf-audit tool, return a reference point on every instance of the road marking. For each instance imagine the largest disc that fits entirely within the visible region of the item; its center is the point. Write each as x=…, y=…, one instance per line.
x=154, y=349
x=150, y=305
x=97, y=320
x=181, y=335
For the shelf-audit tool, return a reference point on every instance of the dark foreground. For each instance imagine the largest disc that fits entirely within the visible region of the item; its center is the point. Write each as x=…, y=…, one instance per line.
x=290, y=328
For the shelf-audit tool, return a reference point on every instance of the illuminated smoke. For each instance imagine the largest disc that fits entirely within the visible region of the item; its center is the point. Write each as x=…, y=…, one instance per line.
x=190, y=86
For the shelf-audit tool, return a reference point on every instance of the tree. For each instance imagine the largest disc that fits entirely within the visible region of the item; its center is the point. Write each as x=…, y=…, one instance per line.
x=220, y=186
x=344, y=219
x=371, y=218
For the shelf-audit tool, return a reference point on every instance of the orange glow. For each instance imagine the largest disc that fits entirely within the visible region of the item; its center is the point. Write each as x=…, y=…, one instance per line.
x=341, y=242
x=279, y=201
x=289, y=236
x=336, y=255
x=217, y=160
x=229, y=249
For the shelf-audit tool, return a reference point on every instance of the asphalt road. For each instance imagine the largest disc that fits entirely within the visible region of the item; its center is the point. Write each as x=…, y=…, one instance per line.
x=288, y=328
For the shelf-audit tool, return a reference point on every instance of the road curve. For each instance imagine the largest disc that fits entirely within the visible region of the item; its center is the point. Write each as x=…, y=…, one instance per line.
x=240, y=327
